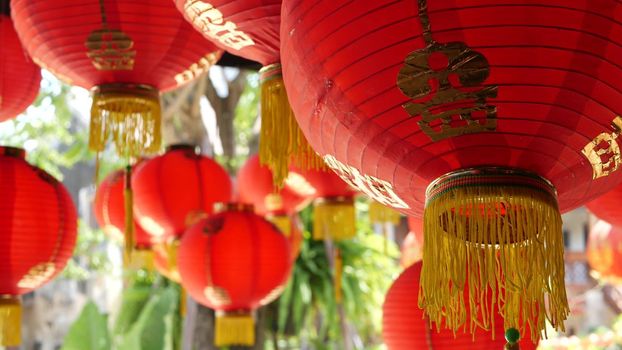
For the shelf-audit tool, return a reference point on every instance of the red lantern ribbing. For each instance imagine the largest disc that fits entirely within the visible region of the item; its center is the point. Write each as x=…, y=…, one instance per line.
x=250, y=29
x=405, y=327
x=491, y=116
x=604, y=250
x=126, y=51
x=233, y=262
x=38, y=226
x=174, y=190
x=19, y=76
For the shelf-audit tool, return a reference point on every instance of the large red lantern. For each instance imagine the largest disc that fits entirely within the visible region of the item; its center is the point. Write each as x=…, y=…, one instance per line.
x=404, y=325
x=38, y=227
x=19, y=76
x=607, y=206
x=250, y=29
x=234, y=262
x=174, y=190
x=604, y=250
x=126, y=51
x=494, y=117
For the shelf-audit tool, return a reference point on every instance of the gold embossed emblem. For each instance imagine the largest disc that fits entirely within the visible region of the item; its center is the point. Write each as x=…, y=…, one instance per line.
x=377, y=189
x=212, y=23
x=603, y=152
x=197, y=68
x=445, y=82
x=110, y=49
x=37, y=275
x=218, y=296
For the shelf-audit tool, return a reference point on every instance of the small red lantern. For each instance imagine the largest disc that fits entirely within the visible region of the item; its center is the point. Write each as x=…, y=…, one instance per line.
x=333, y=214
x=19, y=76
x=38, y=226
x=412, y=247
x=126, y=51
x=604, y=250
x=250, y=29
x=176, y=189
x=233, y=262
x=493, y=117
x=109, y=208
x=255, y=186
x=607, y=206
x=404, y=325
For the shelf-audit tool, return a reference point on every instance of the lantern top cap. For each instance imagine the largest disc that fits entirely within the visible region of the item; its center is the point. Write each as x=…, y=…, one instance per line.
x=220, y=207
x=16, y=152
x=183, y=146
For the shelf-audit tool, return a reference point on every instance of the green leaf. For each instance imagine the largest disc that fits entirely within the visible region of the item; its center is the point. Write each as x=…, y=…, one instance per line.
x=134, y=300
x=89, y=331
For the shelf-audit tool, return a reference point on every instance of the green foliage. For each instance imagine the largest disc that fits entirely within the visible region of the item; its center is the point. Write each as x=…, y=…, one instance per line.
x=307, y=308
x=89, y=331
x=88, y=254
x=148, y=320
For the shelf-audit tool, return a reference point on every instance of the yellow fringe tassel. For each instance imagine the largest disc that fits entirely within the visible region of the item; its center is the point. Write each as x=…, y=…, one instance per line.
x=338, y=275
x=380, y=213
x=282, y=222
x=140, y=259
x=500, y=240
x=10, y=322
x=170, y=270
x=128, y=197
x=130, y=115
x=281, y=141
x=234, y=329
x=334, y=218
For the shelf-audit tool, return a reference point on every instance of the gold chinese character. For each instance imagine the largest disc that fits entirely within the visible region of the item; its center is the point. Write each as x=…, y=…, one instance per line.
x=37, y=275
x=110, y=49
x=445, y=82
x=379, y=190
x=603, y=152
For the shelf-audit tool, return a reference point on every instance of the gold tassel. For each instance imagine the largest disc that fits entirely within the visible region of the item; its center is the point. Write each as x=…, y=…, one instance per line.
x=130, y=115
x=497, y=233
x=169, y=250
x=281, y=141
x=140, y=259
x=10, y=321
x=380, y=213
x=338, y=273
x=334, y=218
x=129, y=213
x=234, y=329
x=183, y=306
x=282, y=222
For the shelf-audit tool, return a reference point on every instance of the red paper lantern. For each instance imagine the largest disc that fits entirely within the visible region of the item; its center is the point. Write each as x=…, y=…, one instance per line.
x=333, y=214
x=478, y=111
x=607, y=206
x=250, y=29
x=412, y=246
x=404, y=325
x=255, y=186
x=38, y=226
x=19, y=76
x=604, y=250
x=234, y=262
x=176, y=189
x=109, y=208
x=126, y=51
